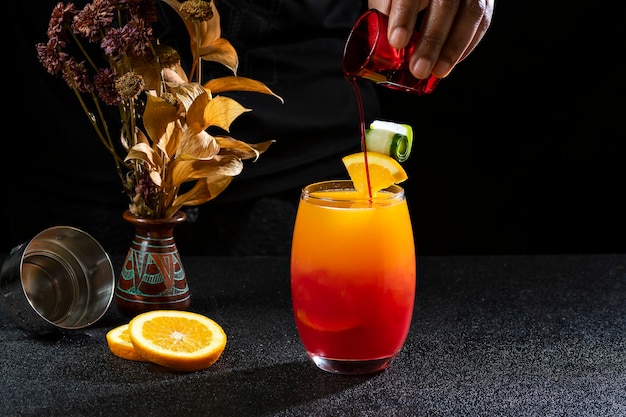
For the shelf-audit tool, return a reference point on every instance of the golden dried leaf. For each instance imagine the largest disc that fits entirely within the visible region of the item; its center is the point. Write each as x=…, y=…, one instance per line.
x=157, y=116
x=169, y=142
x=175, y=75
x=262, y=146
x=201, y=34
x=223, y=52
x=141, y=137
x=151, y=159
x=235, y=83
x=124, y=141
x=188, y=93
x=149, y=71
x=197, y=146
x=202, y=191
x=143, y=152
x=222, y=111
x=182, y=170
x=195, y=112
x=243, y=150
x=156, y=178
x=152, y=73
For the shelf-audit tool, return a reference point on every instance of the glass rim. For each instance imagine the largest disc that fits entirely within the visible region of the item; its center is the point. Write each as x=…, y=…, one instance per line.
x=370, y=19
x=393, y=192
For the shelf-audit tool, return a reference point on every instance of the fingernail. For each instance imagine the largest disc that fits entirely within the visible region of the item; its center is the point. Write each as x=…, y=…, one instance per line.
x=421, y=69
x=398, y=38
x=442, y=69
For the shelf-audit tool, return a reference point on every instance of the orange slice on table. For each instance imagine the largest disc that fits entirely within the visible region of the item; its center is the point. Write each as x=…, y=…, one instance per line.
x=384, y=171
x=120, y=344
x=179, y=340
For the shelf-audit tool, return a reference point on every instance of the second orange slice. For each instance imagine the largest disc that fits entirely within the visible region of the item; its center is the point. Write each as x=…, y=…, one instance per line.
x=120, y=344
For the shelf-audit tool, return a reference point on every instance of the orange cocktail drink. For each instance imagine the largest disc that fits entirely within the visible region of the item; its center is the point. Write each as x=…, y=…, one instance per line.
x=353, y=276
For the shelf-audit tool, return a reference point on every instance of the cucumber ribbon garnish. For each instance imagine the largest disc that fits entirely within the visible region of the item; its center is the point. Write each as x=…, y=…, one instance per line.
x=390, y=138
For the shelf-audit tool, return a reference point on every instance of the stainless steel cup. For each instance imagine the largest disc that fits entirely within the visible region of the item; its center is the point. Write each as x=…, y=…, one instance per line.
x=61, y=279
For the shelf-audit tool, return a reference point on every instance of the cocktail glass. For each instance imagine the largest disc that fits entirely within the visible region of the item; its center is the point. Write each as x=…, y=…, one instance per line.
x=353, y=276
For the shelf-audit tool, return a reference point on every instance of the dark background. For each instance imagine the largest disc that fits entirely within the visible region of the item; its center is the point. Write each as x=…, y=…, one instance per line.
x=520, y=150
x=523, y=148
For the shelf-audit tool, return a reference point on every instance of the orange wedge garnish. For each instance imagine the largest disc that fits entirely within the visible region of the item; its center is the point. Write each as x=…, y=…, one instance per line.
x=383, y=169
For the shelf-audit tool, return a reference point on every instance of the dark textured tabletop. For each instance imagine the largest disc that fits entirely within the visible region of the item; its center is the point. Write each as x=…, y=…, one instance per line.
x=491, y=336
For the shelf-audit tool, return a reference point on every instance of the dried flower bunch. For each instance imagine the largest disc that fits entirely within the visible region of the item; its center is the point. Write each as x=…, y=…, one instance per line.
x=164, y=113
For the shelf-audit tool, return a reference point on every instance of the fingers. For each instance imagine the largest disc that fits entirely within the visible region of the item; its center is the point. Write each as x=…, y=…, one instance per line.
x=485, y=22
x=449, y=31
x=382, y=5
x=402, y=17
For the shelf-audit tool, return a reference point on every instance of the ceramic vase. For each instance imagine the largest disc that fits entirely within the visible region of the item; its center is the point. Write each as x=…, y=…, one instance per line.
x=152, y=275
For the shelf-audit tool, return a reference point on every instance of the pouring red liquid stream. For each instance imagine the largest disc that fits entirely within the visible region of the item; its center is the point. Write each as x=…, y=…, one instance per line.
x=359, y=101
x=368, y=55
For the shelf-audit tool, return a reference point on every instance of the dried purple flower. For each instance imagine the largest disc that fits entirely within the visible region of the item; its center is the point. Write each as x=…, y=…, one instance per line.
x=76, y=76
x=61, y=16
x=146, y=193
x=106, y=52
x=51, y=56
x=113, y=43
x=134, y=38
x=138, y=37
x=105, y=83
x=93, y=20
x=143, y=9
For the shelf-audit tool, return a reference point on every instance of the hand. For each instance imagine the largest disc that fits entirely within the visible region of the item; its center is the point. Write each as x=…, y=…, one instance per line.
x=449, y=31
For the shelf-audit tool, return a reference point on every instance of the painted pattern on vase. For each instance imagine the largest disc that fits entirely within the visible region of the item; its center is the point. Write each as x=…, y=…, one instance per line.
x=152, y=276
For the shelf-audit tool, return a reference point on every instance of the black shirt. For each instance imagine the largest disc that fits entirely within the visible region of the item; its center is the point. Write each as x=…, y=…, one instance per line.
x=295, y=48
